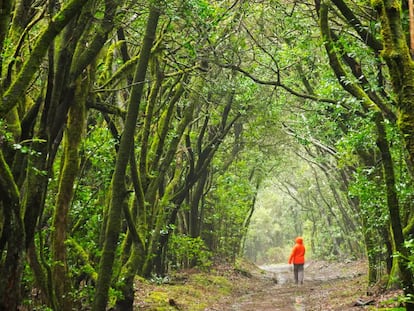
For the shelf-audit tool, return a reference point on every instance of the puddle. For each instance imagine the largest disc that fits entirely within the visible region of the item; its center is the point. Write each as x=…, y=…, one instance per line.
x=282, y=272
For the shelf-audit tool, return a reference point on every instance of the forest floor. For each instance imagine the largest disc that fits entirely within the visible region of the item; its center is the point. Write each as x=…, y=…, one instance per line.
x=327, y=286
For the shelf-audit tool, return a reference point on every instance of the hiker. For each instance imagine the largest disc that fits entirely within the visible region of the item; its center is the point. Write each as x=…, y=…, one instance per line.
x=297, y=257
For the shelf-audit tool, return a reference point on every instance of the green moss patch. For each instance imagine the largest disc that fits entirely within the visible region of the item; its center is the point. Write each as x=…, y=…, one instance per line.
x=188, y=290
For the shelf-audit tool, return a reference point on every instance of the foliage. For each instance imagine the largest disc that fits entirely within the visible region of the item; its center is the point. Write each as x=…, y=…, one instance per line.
x=247, y=134
x=186, y=251
x=410, y=260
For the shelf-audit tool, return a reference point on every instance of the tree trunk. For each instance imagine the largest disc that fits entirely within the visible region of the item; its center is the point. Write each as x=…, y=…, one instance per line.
x=72, y=139
x=194, y=219
x=11, y=267
x=118, y=178
x=393, y=207
x=401, y=68
x=16, y=90
x=398, y=58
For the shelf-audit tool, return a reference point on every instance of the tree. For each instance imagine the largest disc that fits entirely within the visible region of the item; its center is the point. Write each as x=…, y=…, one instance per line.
x=372, y=101
x=128, y=136
x=13, y=96
x=118, y=189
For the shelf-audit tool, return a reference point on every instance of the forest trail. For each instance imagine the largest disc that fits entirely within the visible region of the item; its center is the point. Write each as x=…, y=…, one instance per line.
x=281, y=295
x=327, y=286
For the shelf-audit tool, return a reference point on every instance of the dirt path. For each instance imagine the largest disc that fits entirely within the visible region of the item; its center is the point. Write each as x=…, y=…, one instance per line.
x=326, y=287
x=335, y=286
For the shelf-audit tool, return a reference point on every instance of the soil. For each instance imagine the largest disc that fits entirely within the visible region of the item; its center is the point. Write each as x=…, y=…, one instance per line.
x=327, y=286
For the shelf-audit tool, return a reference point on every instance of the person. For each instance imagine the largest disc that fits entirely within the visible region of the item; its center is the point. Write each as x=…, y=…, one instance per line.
x=297, y=257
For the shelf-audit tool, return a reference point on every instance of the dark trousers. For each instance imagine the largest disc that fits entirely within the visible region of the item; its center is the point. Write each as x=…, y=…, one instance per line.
x=298, y=271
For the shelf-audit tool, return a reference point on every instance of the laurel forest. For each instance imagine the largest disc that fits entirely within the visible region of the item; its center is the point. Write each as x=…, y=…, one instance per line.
x=138, y=138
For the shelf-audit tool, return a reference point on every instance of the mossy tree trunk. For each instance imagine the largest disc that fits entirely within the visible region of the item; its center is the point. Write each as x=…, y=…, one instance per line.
x=152, y=217
x=208, y=141
x=70, y=167
x=119, y=192
x=67, y=59
x=150, y=171
x=168, y=169
x=18, y=110
x=12, y=240
x=194, y=214
x=16, y=90
x=394, y=208
x=369, y=104
x=398, y=57
x=396, y=53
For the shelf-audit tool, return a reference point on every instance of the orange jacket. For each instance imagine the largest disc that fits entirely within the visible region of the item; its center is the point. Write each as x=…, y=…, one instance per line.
x=297, y=255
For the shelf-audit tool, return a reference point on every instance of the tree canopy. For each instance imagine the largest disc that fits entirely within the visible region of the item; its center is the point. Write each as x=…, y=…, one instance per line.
x=141, y=137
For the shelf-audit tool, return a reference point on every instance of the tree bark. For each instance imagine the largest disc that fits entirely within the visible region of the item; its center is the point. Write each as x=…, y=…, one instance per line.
x=118, y=178
x=397, y=55
x=18, y=87
x=72, y=139
x=393, y=208
x=11, y=268
x=402, y=75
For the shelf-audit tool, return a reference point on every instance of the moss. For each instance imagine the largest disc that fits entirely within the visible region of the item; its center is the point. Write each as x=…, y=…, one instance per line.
x=193, y=291
x=159, y=300
x=219, y=283
x=13, y=123
x=30, y=67
x=172, y=297
x=395, y=4
x=377, y=4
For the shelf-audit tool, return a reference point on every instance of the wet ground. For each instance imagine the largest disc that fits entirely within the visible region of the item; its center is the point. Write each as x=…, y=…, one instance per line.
x=336, y=286
x=326, y=287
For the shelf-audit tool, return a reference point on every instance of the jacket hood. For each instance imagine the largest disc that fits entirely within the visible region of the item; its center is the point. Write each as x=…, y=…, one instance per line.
x=299, y=240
